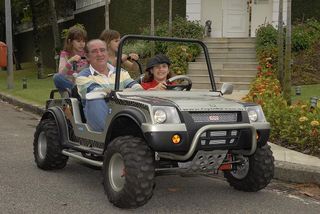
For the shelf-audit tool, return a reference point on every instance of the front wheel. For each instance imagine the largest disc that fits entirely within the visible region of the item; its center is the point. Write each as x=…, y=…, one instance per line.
x=128, y=172
x=46, y=146
x=255, y=172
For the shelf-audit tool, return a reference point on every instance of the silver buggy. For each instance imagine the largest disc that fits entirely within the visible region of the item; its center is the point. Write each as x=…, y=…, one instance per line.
x=149, y=133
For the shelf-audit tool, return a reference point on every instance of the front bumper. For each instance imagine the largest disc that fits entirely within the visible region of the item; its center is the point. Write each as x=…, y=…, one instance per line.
x=245, y=142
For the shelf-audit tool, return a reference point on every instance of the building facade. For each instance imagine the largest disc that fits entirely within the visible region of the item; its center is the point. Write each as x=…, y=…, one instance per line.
x=234, y=18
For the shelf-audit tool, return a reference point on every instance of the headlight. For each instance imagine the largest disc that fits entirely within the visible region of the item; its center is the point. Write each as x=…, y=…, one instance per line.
x=255, y=114
x=160, y=116
x=165, y=114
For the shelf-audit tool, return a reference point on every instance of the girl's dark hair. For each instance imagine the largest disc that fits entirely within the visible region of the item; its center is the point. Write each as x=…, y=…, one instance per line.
x=108, y=35
x=74, y=33
x=148, y=76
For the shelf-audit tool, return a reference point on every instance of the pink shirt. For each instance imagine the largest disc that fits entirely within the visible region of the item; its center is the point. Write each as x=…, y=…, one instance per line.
x=67, y=68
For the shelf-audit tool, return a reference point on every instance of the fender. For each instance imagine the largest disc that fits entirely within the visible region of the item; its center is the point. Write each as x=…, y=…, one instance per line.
x=134, y=114
x=58, y=116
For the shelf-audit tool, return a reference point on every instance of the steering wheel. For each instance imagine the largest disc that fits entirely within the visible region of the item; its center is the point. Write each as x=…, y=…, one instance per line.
x=179, y=87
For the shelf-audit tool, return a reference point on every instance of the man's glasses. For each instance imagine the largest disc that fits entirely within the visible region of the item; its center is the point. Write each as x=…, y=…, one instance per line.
x=96, y=51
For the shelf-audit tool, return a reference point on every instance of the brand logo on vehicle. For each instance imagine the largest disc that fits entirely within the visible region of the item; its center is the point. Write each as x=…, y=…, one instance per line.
x=214, y=118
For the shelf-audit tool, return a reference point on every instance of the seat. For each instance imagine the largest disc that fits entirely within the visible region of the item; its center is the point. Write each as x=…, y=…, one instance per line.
x=75, y=94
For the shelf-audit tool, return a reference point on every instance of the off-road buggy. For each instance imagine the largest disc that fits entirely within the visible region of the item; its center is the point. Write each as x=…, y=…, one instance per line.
x=149, y=132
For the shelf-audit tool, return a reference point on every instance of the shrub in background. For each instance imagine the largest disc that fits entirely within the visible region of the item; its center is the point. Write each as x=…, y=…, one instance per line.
x=306, y=53
x=305, y=34
x=305, y=68
x=179, y=53
x=296, y=126
x=266, y=44
x=305, y=50
x=301, y=38
x=139, y=47
x=266, y=35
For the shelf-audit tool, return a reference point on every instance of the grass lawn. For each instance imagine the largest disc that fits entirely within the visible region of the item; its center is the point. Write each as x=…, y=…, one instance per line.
x=307, y=91
x=37, y=91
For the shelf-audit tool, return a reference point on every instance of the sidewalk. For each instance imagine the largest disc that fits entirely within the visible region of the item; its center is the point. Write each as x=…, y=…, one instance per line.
x=290, y=166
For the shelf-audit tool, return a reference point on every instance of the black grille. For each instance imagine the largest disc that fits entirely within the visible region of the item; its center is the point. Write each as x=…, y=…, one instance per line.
x=214, y=117
x=211, y=138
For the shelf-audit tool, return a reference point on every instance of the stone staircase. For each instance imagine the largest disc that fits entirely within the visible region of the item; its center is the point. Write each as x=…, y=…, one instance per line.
x=233, y=60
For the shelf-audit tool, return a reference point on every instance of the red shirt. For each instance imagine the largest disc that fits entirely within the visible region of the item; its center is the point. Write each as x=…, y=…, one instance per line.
x=152, y=84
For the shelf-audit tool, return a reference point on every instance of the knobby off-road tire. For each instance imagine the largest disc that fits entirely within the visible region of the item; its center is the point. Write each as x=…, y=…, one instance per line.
x=255, y=174
x=128, y=172
x=46, y=146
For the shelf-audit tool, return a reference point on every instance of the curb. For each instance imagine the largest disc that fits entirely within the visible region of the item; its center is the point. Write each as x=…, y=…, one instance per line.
x=25, y=106
x=297, y=173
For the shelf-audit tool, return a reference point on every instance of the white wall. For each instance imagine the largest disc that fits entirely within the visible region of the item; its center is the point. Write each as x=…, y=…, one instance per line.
x=275, y=14
x=203, y=10
x=212, y=10
x=261, y=14
x=193, y=10
x=266, y=13
x=84, y=5
x=263, y=11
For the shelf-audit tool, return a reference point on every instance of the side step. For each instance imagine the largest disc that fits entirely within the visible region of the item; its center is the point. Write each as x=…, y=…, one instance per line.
x=83, y=159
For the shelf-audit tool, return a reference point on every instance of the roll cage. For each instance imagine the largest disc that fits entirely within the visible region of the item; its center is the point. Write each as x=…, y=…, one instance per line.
x=163, y=39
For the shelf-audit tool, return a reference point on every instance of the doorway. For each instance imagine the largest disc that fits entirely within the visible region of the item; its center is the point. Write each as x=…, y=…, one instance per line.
x=235, y=18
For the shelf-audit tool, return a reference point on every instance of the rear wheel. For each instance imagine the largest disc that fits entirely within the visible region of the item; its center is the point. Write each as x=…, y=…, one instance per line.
x=128, y=172
x=255, y=172
x=46, y=146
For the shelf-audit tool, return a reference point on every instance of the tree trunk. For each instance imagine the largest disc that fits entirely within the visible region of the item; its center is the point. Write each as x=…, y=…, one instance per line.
x=152, y=27
x=55, y=27
x=10, y=83
x=106, y=14
x=36, y=39
x=16, y=59
x=170, y=17
x=288, y=58
x=152, y=18
x=280, y=44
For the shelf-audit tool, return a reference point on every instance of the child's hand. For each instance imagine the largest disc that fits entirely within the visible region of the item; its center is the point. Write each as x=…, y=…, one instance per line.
x=160, y=86
x=134, y=56
x=75, y=58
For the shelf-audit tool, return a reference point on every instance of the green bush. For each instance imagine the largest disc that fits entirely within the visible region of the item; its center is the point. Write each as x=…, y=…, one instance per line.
x=266, y=44
x=179, y=56
x=301, y=39
x=296, y=126
x=306, y=64
x=269, y=52
x=139, y=47
x=266, y=35
x=181, y=28
x=304, y=35
x=179, y=53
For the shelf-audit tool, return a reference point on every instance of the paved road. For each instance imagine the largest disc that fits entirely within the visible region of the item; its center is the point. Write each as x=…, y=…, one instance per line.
x=77, y=189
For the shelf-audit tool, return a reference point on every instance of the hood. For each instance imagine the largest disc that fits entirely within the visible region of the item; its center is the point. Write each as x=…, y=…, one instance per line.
x=184, y=100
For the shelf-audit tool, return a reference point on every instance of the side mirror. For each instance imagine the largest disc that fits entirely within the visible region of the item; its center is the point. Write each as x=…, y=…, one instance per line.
x=226, y=88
